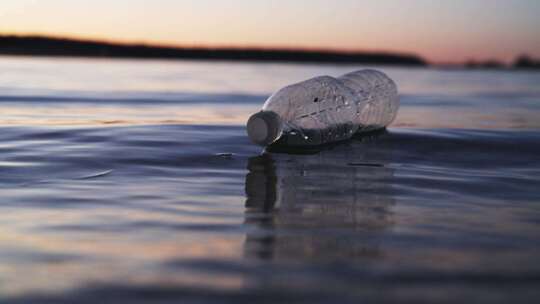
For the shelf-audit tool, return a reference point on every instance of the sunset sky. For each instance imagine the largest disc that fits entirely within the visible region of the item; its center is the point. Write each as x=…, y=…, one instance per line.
x=449, y=31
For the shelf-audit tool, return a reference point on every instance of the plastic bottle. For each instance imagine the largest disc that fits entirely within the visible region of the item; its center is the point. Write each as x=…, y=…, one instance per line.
x=325, y=109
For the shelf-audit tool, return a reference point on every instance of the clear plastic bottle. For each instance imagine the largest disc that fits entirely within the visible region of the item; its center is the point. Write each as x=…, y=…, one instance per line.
x=326, y=109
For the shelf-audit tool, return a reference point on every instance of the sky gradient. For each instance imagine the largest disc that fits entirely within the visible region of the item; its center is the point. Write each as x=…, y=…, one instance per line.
x=449, y=31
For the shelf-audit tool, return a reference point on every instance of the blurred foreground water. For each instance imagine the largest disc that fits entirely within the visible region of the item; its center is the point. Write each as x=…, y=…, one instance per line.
x=134, y=181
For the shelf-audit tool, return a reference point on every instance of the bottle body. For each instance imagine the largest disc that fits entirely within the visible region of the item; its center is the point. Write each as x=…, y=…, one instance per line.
x=326, y=109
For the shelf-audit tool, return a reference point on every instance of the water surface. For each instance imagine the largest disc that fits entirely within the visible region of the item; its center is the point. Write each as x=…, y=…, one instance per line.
x=134, y=181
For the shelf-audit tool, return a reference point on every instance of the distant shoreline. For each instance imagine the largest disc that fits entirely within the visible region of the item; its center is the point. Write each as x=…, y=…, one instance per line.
x=49, y=46
x=45, y=46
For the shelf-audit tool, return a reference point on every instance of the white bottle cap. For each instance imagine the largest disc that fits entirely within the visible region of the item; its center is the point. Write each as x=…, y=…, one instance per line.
x=264, y=127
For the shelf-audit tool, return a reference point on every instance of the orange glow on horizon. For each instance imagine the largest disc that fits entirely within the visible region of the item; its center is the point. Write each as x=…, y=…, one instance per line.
x=438, y=32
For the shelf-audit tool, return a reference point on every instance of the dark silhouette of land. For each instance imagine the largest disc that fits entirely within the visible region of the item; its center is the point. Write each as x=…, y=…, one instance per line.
x=52, y=46
x=48, y=46
x=522, y=62
x=526, y=62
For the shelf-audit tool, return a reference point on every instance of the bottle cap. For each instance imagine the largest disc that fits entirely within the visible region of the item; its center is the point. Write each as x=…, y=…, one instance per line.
x=264, y=127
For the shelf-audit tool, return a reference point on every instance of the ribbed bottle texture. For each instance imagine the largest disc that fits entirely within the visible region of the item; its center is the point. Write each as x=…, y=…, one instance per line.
x=326, y=109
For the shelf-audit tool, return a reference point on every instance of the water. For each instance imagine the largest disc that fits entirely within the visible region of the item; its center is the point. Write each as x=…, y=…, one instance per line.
x=134, y=181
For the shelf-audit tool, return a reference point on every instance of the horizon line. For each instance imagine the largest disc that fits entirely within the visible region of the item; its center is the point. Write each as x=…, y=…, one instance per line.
x=254, y=48
x=146, y=43
x=39, y=44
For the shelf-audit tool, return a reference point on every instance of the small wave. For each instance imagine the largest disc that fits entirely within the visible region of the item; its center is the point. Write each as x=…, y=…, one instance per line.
x=96, y=175
x=141, y=98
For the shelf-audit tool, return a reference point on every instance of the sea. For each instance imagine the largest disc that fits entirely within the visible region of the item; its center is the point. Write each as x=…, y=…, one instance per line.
x=134, y=181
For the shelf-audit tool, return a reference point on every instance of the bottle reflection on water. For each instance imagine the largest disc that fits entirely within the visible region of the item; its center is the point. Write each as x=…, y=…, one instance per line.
x=327, y=205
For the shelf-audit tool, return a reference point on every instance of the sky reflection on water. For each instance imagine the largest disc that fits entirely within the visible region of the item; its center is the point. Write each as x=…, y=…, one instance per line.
x=116, y=189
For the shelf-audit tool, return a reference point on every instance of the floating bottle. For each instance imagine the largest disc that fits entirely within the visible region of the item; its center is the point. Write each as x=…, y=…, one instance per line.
x=325, y=109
